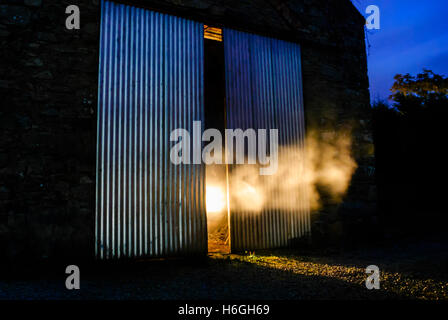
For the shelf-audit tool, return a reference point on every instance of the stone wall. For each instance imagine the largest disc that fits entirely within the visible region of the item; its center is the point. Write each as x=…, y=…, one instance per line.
x=48, y=87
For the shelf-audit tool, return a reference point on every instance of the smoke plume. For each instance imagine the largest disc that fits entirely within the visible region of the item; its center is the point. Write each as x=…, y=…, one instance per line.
x=324, y=163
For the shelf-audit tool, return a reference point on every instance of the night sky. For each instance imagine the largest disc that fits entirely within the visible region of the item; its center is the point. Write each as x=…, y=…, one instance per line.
x=413, y=36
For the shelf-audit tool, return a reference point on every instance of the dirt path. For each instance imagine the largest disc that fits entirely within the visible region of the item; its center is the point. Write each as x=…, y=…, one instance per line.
x=413, y=272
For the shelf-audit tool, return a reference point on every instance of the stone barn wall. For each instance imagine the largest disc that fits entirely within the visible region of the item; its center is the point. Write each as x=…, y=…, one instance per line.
x=48, y=88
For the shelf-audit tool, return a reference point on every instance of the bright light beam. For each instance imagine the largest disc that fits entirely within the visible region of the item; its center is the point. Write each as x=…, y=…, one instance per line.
x=215, y=199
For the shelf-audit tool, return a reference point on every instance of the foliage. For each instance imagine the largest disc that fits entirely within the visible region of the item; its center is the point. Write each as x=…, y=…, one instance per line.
x=414, y=93
x=409, y=149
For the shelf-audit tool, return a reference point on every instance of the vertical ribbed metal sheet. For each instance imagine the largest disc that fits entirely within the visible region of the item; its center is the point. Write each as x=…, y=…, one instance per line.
x=150, y=82
x=264, y=91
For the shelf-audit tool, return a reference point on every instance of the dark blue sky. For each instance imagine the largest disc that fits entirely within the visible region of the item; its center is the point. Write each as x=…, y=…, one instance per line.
x=413, y=36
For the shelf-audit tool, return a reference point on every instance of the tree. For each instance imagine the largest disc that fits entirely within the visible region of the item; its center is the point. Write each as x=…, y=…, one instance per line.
x=410, y=151
x=426, y=90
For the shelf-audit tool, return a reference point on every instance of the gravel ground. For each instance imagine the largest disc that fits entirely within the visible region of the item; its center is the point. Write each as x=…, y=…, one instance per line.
x=417, y=271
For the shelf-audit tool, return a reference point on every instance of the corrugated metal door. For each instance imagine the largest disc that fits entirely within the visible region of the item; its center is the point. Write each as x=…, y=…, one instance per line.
x=150, y=82
x=264, y=91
